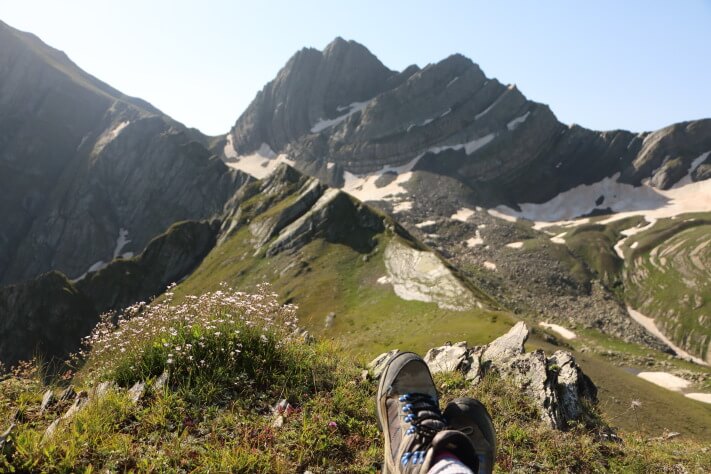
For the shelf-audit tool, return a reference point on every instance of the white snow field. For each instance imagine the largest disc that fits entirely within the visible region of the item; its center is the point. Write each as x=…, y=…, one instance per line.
x=258, y=164
x=623, y=199
x=563, y=332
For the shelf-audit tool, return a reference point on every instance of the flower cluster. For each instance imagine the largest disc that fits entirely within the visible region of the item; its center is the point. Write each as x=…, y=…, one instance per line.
x=182, y=331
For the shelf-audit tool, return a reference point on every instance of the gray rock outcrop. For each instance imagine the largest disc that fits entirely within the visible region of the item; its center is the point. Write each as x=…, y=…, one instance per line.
x=556, y=384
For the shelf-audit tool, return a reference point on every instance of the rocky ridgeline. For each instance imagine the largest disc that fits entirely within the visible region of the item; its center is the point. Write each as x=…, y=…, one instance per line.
x=67, y=403
x=556, y=383
x=342, y=110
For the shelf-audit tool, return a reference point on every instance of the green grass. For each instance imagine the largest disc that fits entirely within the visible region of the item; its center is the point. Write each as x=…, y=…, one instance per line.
x=670, y=288
x=332, y=426
x=324, y=277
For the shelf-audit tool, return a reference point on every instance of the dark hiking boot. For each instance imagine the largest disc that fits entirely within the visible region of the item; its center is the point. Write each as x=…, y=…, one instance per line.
x=410, y=419
x=470, y=417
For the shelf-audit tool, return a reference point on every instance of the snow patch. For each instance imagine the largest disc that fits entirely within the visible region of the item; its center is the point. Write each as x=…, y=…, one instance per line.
x=425, y=224
x=462, y=214
x=452, y=82
x=701, y=397
x=363, y=186
x=476, y=240
x=559, y=239
x=513, y=125
x=258, y=164
x=109, y=136
x=330, y=165
x=490, y=265
x=563, y=332
x=623, y=199
x=629, y=233
x=402, y=206
x=666, y=380
x=488, y=109
x=121, y=242
x=351, y=109
x=384, y=280
x=501, y=215
x=515, y=245
x=474, y=145
x=649, y=324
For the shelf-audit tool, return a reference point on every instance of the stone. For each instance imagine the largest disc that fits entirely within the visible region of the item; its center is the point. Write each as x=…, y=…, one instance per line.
x=420, y=275
x=67, y=394
x=49, y=432
x=530, y=372
x=135, y=393
x=5, y=435
x=571, y=384
x=303, y=335
x=101, y=389
x=556, y=384
x=161, y=382
x=447, y=358
x=278, y=421
x=473, y=372
x=330, y=318
x=48, y=399
x=80, y=402
x=507, y=346
x=364, y=375
x=377, y=365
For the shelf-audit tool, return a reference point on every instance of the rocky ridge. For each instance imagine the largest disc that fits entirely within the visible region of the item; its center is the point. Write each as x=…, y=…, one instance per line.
x=48, y=316
x=88, y=173
x=276, y=218
x=556, y=383
x=448, y=119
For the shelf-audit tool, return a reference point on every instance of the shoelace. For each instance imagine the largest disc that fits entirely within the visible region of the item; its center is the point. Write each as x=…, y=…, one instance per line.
x=426, y=420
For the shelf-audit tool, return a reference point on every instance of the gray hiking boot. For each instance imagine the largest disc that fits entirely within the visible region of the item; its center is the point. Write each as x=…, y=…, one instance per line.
x=411, y=422
x=471, y=418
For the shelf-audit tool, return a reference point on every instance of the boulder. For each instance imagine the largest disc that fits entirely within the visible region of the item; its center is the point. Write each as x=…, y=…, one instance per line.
x=48, y=399
x=447, y=358
x=377, y=365
x=556, y=384
x=507, y=346
x=135, y=393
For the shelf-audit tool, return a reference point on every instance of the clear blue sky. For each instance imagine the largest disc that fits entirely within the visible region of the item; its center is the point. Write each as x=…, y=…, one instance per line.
x=629, y=64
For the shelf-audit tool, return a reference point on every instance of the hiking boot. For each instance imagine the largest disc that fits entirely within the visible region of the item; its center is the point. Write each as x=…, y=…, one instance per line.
x=470, y=417
x=409, y=417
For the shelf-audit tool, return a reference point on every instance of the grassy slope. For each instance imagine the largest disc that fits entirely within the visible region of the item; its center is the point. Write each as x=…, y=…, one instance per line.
x=230, y=429
x=671, y=288
x=325, y=277
x=371, y=319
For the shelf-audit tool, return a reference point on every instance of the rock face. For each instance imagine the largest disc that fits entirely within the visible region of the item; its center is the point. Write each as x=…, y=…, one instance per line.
x=88, y=173
x=167, y=259
x=50, y=315
x=448, y=119
x=422, y=276
x=555, y=383
x=313, y=86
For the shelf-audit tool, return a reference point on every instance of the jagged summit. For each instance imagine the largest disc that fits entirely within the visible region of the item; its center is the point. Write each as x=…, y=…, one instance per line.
x=447, y=118
x=311, y=86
